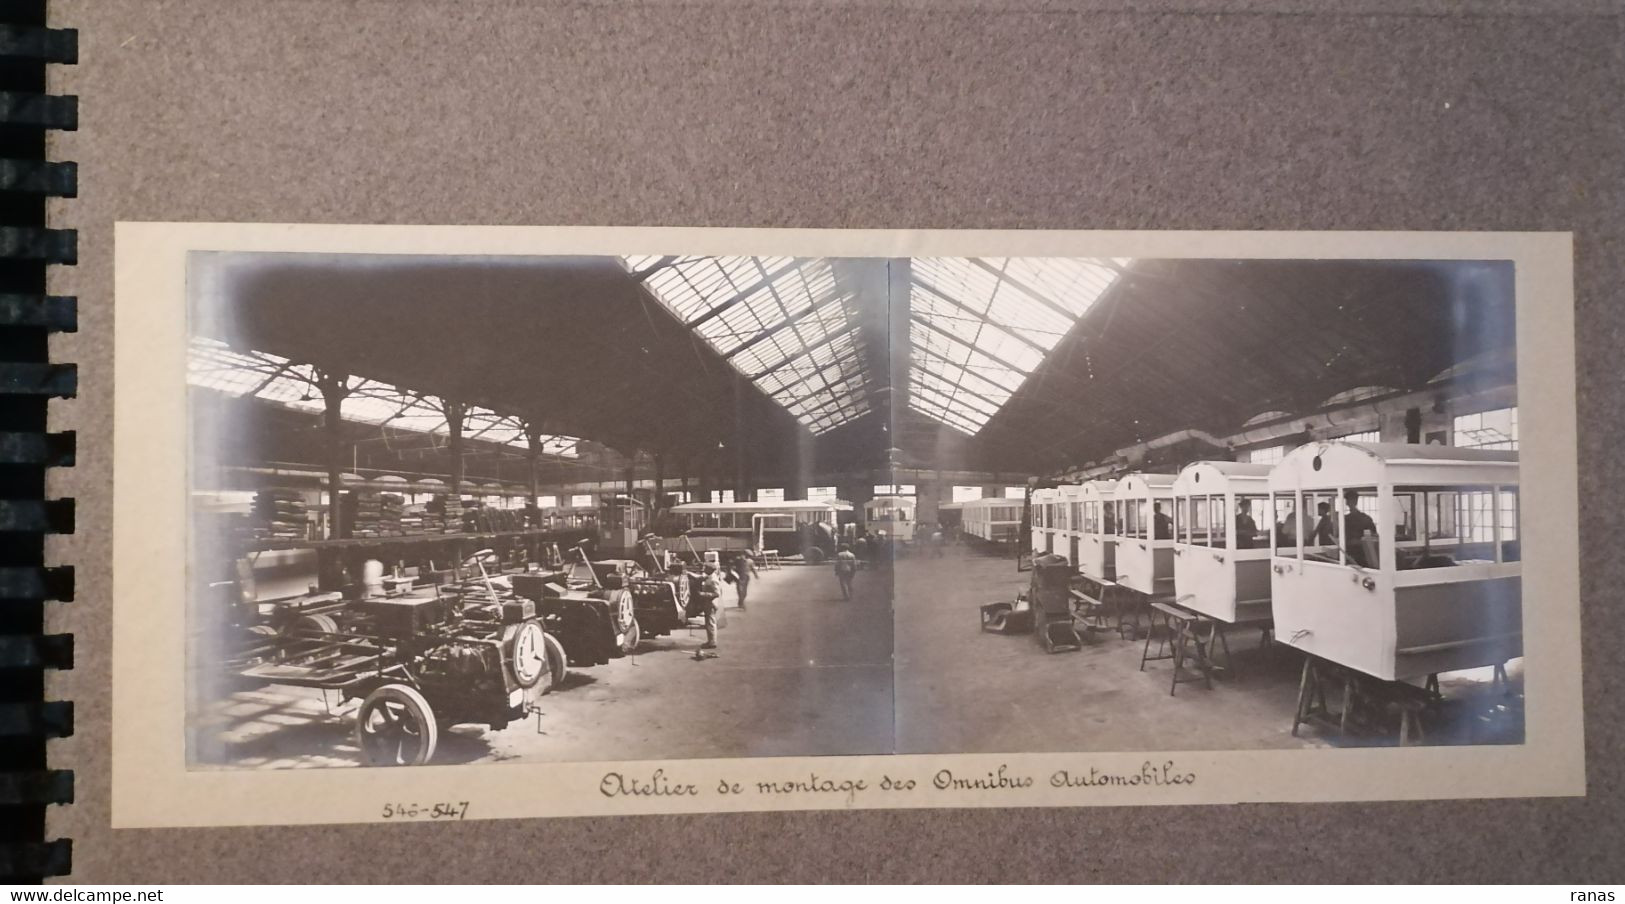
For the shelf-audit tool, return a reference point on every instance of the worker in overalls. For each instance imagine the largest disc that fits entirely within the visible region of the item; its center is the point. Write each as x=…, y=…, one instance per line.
x=846, y=566
x=744, y=569
x=710, y=592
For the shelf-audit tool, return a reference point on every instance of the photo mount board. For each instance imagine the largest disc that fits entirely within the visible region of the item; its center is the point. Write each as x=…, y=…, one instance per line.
x=149, y=628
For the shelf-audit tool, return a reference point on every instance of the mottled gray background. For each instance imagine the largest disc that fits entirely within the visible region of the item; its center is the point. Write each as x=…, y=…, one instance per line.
x=1173, y=114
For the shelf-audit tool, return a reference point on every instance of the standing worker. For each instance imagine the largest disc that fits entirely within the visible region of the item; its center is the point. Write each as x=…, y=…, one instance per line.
x=1246, y=527
x=1163, y=526
x=1325, y=533
x=744, y=571
x=1357, y=525
x=846, y=565
x=710, y=590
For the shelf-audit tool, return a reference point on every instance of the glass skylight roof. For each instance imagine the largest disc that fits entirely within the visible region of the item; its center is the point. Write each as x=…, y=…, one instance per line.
x=780, y=321
x=213, y=365
x=980, y=326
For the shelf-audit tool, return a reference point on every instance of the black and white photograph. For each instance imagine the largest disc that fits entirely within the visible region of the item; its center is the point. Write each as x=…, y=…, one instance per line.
x=710, y=520
x=462, y=509
x=587, y=508
x=1255, y=504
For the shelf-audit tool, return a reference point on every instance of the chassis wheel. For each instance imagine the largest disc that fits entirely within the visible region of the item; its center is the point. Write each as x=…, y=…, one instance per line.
x=557, y=662
x=316, y=624
x=814, y=556
x=626, y=622
x=527, y=654
x=396, y=727
x=262, y=640
x=681, y=590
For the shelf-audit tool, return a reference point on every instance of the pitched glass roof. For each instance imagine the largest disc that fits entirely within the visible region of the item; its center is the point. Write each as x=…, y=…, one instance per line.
x=780, y=321
x=979, y=326
x=213, y=365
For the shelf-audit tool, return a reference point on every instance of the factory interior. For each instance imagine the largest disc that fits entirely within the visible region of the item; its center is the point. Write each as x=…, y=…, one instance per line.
x=462, y=509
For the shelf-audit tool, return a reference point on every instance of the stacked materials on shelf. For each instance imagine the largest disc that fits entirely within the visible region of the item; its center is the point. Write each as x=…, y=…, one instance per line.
x=491, y=519
x=484, y=517
x=450, y=509
x=280, y=514
x=390, y=512
x=373, y=514
x=411, y=519
x=361, y=512
x=506, y=519
x=420, y=519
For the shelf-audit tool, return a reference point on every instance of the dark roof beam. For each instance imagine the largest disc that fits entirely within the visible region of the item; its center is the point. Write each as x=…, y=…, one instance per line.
x=986, y=354
x=271, y=378
x=824, y=409
x=982, y=320
x=960, y=387
x=806, y=350
x=1037, y=295
x=767, y=280
x=641, y=275
x=790, y=321
x=849, y=399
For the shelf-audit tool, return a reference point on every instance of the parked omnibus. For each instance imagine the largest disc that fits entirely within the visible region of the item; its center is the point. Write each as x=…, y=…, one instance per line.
x=993, y=521
x=622, y=521
x=792, y=527
x=892, y=514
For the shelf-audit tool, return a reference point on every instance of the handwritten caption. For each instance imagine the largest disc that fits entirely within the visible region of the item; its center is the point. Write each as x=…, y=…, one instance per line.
x=669, y=783
x=456, y=811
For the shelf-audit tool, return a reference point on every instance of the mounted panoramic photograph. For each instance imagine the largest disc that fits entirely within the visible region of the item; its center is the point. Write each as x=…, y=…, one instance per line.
x=674, y=520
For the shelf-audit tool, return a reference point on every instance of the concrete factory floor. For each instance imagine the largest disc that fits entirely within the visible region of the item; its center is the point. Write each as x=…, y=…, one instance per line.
x=804, y=673
x=800, y=673
x=963, y=690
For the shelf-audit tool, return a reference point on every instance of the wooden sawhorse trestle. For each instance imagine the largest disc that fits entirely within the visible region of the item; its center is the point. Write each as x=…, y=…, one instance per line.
x=1391, y=698
x=1186, y=635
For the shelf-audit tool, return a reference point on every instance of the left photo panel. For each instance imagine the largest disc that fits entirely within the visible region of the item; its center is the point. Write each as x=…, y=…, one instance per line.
x=477, y=509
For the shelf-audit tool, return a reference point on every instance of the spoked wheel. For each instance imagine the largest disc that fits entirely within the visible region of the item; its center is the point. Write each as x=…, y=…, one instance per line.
x=814, y=556
x=557, y=662
x=396, y=727
x=627, y=634
x=681, y=589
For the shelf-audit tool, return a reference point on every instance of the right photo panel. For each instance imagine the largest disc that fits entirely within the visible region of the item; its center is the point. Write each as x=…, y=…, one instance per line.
x=1163, y=504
